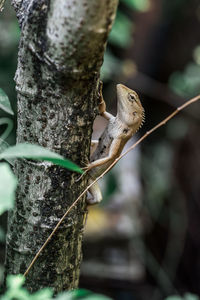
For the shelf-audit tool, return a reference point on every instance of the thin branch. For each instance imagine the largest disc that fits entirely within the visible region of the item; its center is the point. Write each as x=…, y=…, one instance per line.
x=189, y=102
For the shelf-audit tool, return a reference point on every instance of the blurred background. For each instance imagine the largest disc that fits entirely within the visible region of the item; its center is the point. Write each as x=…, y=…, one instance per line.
x=143, y=240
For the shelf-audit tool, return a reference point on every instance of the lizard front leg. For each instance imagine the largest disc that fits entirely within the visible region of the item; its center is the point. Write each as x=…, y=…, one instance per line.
x=113, y=153
x=102, y=106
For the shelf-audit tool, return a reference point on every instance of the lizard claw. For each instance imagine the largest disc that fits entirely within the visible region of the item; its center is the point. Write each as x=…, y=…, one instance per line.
x=90, y=166
x=102, y=107
x=86, y=169
x=102, y=104
x=79, y=178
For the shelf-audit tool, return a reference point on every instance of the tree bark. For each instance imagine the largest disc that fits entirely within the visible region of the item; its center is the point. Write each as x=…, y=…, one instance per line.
x=60, y=54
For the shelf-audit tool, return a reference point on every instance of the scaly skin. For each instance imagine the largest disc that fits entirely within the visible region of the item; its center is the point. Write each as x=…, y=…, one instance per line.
x=129, y=118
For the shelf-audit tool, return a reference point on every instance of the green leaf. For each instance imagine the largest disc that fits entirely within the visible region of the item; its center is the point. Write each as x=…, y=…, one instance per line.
x=15, y=281
x=5, y=103
x=7, y=131
x=186, y=83
x=189, y=296
x=81, y=294
x=97, y=297
x=15, y=290
x=8, y=184
x=38, y=153
x=44, y=294
x=4, y=145
x=64, y=296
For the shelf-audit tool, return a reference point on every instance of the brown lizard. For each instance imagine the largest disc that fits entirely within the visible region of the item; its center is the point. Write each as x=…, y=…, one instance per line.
x=129, y=118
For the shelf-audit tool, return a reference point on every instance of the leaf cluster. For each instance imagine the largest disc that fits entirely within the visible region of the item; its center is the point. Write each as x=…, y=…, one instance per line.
x=16, y=291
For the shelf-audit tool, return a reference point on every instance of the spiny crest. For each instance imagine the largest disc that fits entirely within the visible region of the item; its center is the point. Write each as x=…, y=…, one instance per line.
x=143, y=120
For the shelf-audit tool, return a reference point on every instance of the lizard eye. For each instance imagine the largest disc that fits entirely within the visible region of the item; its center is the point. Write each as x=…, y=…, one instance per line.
x=131, y=97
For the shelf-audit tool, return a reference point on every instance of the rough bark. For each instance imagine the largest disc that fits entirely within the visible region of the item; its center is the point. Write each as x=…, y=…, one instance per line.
x=57, y=79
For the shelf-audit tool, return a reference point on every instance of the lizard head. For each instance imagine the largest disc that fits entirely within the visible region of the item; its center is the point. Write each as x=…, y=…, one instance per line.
x=129, y=107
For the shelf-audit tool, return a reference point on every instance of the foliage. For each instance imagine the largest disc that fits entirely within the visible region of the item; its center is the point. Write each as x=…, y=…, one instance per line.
x=5, y=103
x=3, y=146
x=121, y=31
x=121, y=37
x=9, y=39
x=38, y=153
x=187, y=82
x=8, y=183
x=187, y=296
x=81, y=294
x=6, y=107
x=16, y=291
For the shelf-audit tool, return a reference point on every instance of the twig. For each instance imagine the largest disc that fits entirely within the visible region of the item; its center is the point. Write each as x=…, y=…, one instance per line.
x=189, y=102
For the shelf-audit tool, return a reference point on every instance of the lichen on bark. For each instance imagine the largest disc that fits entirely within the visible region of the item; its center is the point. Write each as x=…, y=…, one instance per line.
x=57, y=80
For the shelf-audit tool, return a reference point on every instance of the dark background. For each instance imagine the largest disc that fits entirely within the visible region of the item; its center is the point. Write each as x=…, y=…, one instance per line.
x=154, y=48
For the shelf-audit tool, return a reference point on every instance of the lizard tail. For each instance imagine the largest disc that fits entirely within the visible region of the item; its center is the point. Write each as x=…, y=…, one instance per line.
x=95, y=193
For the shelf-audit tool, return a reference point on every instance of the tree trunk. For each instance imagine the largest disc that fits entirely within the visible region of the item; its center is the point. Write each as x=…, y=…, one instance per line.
x=57, y=80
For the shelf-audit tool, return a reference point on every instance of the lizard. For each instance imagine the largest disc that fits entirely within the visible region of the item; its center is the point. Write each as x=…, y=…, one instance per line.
x=129, y=118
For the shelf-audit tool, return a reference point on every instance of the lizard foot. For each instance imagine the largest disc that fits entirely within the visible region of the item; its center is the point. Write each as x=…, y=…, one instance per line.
x=102, y=104
x=87, y=168
x=79, y=178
